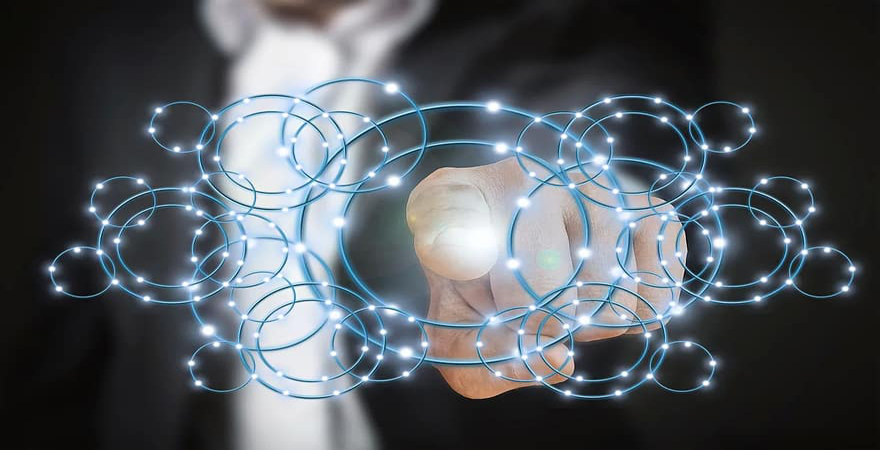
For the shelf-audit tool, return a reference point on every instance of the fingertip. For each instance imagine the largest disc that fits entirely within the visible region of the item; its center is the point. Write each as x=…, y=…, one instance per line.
x=461, y=254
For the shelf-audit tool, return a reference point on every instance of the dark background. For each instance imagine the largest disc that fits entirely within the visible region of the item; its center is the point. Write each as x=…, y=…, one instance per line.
x=796, y=372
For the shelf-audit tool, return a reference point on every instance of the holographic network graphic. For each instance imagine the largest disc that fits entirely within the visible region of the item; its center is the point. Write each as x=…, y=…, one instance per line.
x=233, y=213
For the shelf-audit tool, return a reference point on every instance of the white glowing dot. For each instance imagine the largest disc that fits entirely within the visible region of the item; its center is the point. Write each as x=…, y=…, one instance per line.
x=719, y=242
x=365, y=349
x=844, y=288
x=393, y=180
x=789, y=282
x=59, y=288
x=584, y=320
x=385, y=149
x=520, y=331
x=539, y=378
x=689, y=117
x=151, y=130
x=705, y=382
x=624, y=374
x=727, y=148
x=391, y=88
x=338, y=222
x=804, y=185
x=618, y=393
x=687, y=157
x=500, y=147
x=493, y=106
x=757, y=298
x=618, y=115
x=811, y=209
x=664, y=119
x=752, y=130
x=538, y=119
x=513, y=264
x=523, y=202
x=607, y=100
x=207, y=330
x=584, y=253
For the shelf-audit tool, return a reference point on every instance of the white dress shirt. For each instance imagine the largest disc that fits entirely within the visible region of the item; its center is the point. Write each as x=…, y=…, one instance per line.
x=271, y=56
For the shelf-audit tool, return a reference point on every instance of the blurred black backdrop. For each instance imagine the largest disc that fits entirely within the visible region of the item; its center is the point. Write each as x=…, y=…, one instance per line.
x=796, y=372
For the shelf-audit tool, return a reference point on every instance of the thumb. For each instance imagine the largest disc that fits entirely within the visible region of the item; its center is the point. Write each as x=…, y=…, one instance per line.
x=451, y=225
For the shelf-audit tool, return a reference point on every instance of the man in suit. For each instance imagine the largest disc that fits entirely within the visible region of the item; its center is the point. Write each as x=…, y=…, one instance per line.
x=120, y=383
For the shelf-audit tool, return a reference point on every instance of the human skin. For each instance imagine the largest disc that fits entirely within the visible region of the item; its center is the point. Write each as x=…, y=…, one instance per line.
x=469, y=279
